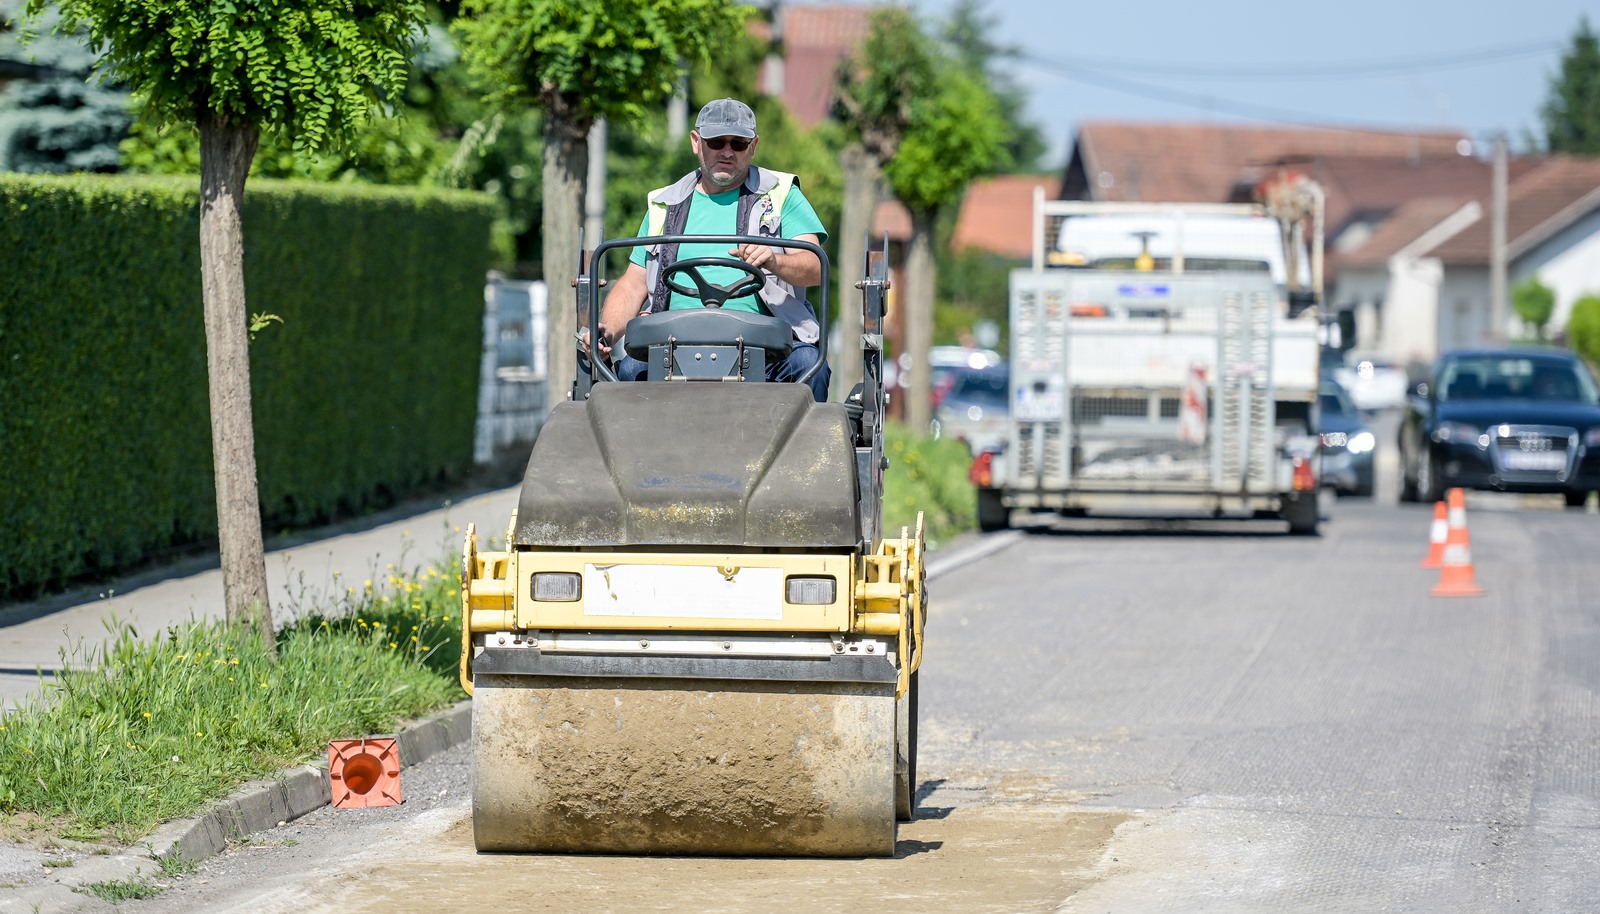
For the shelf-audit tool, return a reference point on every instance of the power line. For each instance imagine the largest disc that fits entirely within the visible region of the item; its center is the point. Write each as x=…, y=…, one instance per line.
x=1357, y=70
x=1213, y=104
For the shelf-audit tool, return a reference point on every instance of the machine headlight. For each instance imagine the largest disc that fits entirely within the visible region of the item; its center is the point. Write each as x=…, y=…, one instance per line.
x=1362, y=442
x=810, y=591
x=1460, y=433
x=557, y=586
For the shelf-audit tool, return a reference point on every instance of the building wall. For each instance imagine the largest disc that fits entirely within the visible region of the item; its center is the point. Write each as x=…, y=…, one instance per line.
x=1464, y=307
x=1568, y=262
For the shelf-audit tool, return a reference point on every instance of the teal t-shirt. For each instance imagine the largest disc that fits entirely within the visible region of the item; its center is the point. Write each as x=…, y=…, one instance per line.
x=717, y=214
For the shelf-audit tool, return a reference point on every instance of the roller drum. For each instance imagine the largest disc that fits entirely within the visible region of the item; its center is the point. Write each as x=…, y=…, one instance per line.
x=720, y=767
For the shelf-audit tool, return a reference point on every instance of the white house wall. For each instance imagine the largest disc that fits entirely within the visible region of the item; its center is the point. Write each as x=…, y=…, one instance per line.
x=1568, y=262
x=1361, y=290
x=1464, y=307
x=1411, y=319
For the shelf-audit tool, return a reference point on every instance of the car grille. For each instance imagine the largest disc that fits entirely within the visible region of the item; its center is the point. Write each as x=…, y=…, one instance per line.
x=1533, y=453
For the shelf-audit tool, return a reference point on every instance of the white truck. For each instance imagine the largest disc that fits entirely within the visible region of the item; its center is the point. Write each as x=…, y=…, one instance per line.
x=1164, y=362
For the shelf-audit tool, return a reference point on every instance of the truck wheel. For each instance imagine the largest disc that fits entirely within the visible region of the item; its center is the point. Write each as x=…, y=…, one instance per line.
x=1302, y=515
x=992, y=511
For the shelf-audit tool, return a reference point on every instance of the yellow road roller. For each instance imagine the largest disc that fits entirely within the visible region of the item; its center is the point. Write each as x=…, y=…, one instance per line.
x=698, y=640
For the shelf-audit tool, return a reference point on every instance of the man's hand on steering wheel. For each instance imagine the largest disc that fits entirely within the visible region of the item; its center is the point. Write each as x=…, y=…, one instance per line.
x=756, y=255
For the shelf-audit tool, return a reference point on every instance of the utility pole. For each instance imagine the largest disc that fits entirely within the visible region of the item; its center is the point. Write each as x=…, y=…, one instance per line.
x=1497, y=244
x=594, y=194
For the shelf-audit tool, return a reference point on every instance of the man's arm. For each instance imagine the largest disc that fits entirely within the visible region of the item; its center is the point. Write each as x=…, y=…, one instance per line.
x=622, y=304
x=800, y=269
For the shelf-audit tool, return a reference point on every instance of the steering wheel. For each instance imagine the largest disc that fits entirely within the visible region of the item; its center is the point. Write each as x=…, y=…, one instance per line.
x=709, y=293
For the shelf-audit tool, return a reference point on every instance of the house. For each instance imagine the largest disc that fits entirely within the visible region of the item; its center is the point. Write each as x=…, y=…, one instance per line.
x=1423, y=274
x=997, y=214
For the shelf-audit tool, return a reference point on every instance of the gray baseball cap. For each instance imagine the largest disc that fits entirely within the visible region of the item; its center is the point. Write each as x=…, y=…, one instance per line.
x=726, y=117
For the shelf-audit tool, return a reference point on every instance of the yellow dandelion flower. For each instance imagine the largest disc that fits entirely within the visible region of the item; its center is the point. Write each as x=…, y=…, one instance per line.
x=392, y=645
x=198, y=733
x=413, y=637
x=147, y=715
x=426, y=648
x=230, y=678
x=183, y=656
x=235, y=661
x=368, y=584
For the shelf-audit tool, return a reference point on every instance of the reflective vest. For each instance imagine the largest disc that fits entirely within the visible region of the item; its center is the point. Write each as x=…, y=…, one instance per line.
x=760, y=211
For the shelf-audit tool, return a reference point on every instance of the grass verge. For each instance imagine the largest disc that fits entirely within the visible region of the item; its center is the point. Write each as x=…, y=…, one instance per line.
x=930, y=476
x=140, y=732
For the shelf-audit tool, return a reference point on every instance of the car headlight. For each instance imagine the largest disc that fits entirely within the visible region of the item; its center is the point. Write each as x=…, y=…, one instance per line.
x=1591, y=438
x=1362, y=442
x=1460, y=433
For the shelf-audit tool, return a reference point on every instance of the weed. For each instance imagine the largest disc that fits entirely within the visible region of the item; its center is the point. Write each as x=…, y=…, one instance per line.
x=56, y=862
x=175, y=864
x=117, y=891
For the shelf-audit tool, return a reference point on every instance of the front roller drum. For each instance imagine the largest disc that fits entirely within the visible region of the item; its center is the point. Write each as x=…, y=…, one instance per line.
x=567, y=764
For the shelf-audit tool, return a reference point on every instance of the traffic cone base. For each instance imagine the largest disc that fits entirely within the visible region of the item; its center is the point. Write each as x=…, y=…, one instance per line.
x=364, y=772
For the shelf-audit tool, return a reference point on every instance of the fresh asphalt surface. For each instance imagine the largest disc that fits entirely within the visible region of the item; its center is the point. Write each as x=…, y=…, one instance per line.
x=1286, y=724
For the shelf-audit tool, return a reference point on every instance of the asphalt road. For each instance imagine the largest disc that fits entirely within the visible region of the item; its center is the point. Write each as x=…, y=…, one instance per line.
x=1130, y=716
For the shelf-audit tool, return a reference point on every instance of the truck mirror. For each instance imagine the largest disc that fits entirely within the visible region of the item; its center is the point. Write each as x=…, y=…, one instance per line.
x=1299, y=301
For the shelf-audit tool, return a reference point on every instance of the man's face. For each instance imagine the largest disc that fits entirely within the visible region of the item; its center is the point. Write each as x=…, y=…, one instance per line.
x=725, y=167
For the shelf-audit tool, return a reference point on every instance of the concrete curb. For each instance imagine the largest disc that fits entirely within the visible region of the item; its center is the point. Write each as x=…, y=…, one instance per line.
x=255, y=807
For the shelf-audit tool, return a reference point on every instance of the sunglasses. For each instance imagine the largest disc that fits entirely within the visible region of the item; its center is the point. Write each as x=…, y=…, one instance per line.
x=718, y=143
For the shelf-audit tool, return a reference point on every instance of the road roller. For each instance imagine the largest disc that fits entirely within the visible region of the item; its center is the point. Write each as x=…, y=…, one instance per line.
x=696, y=639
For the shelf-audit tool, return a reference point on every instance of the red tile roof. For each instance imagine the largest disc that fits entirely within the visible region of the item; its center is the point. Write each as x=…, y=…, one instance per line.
x=997, y=214
x=815, y=40
x=1399, y=229
x=1182, y=163
x=1543, y=200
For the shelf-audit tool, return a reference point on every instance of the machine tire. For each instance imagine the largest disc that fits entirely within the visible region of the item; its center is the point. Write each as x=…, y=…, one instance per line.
x=905, y=755
x=992, y=511
x=1302, y=515
x=1576, y=499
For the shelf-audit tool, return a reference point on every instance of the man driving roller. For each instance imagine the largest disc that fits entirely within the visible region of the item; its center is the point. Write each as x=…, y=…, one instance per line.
x=726, y=195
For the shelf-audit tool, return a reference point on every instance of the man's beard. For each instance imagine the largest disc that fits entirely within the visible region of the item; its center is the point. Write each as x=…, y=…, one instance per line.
x=724, y=180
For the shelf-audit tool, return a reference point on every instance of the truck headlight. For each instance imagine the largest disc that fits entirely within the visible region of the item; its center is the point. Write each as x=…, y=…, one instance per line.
x=1362, y=442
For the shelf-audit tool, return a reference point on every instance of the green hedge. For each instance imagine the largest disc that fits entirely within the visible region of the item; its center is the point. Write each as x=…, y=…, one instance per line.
x=1583, y=328
x=366, y=390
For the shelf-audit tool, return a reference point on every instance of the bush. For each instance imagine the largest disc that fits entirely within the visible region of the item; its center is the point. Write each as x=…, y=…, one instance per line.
x=930, y=476
x=367, y=389
x=1583, y=328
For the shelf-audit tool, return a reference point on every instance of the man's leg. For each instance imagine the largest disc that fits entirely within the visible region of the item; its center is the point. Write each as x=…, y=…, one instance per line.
x=630, y=369
x=792, y=366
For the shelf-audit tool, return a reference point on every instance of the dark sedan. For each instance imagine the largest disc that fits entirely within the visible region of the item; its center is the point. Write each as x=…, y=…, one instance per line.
x=1515, y=420
x=1347, y=442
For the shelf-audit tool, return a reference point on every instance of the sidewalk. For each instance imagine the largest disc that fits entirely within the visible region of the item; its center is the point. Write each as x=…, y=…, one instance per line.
x=301, y=577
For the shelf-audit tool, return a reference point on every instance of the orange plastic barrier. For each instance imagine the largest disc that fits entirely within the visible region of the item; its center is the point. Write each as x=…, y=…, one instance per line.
x=1438, y=533
x=364, y=772
x=1456, y=578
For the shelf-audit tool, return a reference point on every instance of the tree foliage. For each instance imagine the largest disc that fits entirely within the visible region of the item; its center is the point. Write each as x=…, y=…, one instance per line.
x=956, y=135
x=877, y=88
x=615, y=59
x=1571, y=112
x=1534, y=303
x=53, y=118
x=968, y=35
x=1583, y=328
x=311, y=70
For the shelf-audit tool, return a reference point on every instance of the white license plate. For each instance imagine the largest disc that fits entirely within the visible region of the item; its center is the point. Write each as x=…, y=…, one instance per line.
x=1534, y=460
x=1039, y=406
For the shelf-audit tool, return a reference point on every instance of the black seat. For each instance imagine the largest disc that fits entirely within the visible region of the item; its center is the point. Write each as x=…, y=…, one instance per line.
x=708, y=327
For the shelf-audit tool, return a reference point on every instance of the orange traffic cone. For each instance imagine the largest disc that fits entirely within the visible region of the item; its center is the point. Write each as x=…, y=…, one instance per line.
x=364, y=772
x=1437, y=534
x=1455, y=574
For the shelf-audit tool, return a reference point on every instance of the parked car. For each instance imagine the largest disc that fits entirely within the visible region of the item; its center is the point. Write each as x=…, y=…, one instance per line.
x=1373, y=382
x=1516, y=420
x=1347, y=443
x=975, y=408
x=945, y=363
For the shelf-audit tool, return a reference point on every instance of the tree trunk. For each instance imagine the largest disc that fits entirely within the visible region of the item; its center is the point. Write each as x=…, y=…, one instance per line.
x=226, y=149
x=566, y=164
x=855, y=220
x=920, y=276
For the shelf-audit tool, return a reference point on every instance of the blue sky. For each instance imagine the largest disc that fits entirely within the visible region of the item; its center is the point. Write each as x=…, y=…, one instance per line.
x=1478, y=66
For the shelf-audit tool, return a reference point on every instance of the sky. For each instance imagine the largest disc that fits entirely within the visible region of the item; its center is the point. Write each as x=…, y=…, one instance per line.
x=1478, y=66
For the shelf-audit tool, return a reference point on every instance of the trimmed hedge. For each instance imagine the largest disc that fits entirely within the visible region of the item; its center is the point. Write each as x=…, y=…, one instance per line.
x=1583, y=328
x=367, y=389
